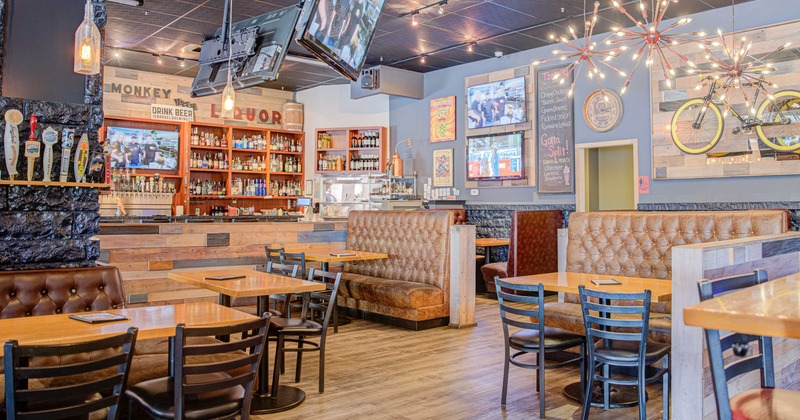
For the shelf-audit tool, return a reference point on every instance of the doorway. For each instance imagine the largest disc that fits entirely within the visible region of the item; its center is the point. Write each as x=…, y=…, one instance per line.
x=606, y=175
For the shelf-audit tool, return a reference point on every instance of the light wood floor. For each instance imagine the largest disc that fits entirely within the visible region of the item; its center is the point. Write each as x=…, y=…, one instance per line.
x=375, y=371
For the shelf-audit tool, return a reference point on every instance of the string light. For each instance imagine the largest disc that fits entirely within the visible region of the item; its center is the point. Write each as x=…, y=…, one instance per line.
x=583, y=52
x=649, y=42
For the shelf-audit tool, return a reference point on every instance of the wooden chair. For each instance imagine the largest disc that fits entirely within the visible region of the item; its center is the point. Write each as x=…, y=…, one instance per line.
x=765, y=402
x=617, y=324
x=203, y=389
x=520, y=305
x=298, y=330
x=91, y=378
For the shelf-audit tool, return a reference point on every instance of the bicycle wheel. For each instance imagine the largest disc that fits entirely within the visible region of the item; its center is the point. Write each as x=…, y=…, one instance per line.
x=785, y=107
x=696, y=140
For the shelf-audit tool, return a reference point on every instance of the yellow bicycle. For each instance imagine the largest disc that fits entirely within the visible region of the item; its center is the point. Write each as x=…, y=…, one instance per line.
x=697, y=126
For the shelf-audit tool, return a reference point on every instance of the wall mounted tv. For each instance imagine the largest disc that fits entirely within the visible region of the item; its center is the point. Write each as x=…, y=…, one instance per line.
x=496, y=103
x=496, y=156
x=339, y=32
x=259, y=45
x=142, y=148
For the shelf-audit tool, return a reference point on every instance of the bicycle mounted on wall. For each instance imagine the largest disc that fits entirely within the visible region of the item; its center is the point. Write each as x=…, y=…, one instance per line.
x=776, y=121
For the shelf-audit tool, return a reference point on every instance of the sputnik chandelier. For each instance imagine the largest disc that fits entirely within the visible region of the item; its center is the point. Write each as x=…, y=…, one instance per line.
x=650, y=42
x=584, y=51
x=736, y=69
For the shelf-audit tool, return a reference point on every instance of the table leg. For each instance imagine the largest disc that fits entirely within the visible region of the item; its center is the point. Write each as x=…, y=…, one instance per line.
x=264, y=401
x=488, y=253
x=325, y=266
x=224, y=300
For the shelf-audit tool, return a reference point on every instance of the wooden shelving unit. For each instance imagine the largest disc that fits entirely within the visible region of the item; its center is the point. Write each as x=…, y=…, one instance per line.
x=184, y=175
x=347, y=149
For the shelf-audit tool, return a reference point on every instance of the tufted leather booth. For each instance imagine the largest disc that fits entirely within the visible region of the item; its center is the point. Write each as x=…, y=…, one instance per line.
x=639, y=244
x=532, y=246
x=459, y=215
x=411, y=285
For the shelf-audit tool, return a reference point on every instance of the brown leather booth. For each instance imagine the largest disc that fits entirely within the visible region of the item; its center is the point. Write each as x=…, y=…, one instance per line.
x=70, y=290
x=532, y=248
x=411, y=287
x=639, y=244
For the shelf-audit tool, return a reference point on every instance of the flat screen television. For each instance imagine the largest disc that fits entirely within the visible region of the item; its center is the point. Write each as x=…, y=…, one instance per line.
x=339, y=32
x=143, y=148
x=496, y=156
x=259, y=47
x=496, y=103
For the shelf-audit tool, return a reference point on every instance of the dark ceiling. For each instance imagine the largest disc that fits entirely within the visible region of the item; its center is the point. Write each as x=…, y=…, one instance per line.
x=175, y=28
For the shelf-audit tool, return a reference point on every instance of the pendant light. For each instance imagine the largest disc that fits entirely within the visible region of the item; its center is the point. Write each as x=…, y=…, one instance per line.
x=87, y=44
x=228, y=94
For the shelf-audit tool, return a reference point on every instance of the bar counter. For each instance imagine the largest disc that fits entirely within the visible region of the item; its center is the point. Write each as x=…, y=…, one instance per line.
x=146, y=251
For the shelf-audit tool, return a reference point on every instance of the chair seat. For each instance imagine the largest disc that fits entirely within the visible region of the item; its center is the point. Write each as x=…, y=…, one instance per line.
x=294, y=324
x=766, y=404
x=157, y=398
x=628, y=351
x=554, y=338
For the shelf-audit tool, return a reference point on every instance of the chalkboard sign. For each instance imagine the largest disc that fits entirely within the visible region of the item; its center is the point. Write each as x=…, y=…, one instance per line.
x=555, y=134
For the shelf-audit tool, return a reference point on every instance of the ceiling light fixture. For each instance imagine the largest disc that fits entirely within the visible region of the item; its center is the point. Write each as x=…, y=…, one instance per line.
x=87, y=44
x=135, y=3
x=414, y=19
x=228, y=94
x=584, y=52
x=439, y=8
x=470, y=46
x=116, y=54
x=158, y=59
x=182, y=62
x=648, y=36
x=422, y=58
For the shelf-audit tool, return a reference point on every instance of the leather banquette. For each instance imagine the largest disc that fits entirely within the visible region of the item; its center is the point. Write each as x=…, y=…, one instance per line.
x=70, y=290
x=639, y=244
x=410, y=287
x=532, y=246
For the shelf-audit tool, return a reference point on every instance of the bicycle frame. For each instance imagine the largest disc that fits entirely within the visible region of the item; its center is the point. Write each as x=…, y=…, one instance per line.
x=746, y=122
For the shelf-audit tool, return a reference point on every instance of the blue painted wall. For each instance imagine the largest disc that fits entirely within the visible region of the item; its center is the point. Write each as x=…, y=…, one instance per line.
x=409, y=118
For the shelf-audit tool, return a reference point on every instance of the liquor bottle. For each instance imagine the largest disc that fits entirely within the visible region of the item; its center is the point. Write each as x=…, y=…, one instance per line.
x=299, y=166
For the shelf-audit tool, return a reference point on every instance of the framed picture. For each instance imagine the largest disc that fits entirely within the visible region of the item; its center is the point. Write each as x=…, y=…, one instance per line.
x=443, y=168
x=443, y=119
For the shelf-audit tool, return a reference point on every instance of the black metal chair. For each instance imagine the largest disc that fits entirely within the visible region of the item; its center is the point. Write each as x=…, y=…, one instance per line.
x=296, y=258
x=522, y=307
x=299, y=330
x=617, y=324
x=205, y=384
x=765, y=402
x=92, y=379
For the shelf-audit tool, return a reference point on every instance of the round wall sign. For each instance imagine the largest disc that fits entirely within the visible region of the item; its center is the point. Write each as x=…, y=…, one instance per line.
x=602, y=110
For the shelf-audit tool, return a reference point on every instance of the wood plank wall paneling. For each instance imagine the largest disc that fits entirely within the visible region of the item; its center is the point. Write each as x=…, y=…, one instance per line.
x=145, y=254
x=669, y=162
x=691, y=380
x=119, y=104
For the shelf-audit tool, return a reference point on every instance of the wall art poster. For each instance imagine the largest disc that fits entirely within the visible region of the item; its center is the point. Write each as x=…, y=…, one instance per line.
x=443, y=168
x=443, y=119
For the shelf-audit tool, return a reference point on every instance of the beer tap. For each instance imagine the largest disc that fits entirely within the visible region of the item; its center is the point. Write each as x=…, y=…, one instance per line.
x=67, y=139
x=81, y=158
x=49, y=138
x=32, y=147
x=11, y=139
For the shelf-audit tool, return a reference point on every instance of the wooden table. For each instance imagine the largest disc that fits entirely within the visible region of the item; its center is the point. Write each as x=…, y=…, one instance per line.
x=261, y=285
x=771, y=309
x=488, y=243
x=660, y=290
x=152, y=322
x=323, y=255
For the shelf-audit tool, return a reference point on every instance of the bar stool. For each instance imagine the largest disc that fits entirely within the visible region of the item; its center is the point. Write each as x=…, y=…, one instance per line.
x=765, y=402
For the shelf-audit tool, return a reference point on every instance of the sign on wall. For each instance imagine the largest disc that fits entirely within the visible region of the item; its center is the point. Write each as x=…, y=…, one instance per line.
x=443, y=119
x=171, y=113
x=555, y=134
x=443, y=168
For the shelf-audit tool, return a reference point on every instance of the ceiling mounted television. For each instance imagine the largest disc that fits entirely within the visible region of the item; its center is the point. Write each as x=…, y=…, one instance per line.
x=496, y=103
x=339, y=32
x=259, y=47
x=143, y=148
x=496, y=156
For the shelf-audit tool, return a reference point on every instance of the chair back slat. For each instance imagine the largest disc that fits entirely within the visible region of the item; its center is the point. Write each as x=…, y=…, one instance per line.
x=615, y=335
x=739, y=344
x=273, y=254
x=288, y=270
x=615, y=308
x=521, y=324
x=516, y=310
x=75, y=385
x=253, y=340
x=615, y=322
